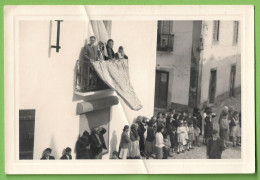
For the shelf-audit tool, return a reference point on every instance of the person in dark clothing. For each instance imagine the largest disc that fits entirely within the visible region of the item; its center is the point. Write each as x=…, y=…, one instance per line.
x=83, y=146
x=215, y=146
x=67, y=154
x=121, y=54
x=110, y=52
x=124, y=143
x=171, y=131
x=90, y=50
x=150, y=139
x=198, y=117
x=47, y=154
x=141, y=130
x=97, y=142
x=208, y=126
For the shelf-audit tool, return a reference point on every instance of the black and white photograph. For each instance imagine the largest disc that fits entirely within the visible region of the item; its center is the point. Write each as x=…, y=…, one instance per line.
x=166, y=86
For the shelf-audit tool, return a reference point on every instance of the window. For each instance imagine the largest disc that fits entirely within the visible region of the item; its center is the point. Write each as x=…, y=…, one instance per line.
x=235, y=32
x=165, y=36
x=216, y=31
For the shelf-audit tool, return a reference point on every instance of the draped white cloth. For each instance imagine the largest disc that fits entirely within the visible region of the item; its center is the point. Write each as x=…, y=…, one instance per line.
x=116, y=75
x=99, y=30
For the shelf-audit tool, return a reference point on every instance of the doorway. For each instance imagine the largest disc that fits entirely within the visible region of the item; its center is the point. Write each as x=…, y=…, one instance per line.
x=26, y=134
x=212, y=85
x=232, y=81
x=161, y=89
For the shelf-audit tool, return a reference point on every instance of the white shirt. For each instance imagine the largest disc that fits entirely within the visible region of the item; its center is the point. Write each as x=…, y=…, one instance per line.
x=159, y=140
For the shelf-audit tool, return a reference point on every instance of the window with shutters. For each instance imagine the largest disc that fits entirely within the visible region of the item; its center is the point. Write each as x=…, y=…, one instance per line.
x=216, y=31
x=235, y=32
x=165, y=36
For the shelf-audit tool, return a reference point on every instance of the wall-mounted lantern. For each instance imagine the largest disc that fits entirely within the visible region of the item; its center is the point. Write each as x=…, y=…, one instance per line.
x=57, y=47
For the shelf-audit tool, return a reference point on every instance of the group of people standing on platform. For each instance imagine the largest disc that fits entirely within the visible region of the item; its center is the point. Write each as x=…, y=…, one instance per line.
x=88, y=146
x=103, y=51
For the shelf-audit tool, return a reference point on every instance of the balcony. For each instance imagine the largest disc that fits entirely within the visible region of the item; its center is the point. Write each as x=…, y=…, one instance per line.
x=87, y=80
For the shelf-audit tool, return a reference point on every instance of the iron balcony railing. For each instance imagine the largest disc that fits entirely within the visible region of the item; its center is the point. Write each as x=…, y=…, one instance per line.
x=87, y=79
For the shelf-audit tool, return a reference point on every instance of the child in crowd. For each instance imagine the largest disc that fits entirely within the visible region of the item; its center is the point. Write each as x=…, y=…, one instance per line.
x=197, y=135
x=191, y=136
x=186, y=135
x=167, y=146
x=181, y=132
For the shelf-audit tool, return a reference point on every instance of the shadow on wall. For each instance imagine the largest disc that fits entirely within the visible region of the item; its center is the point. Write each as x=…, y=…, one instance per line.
x=113, y=144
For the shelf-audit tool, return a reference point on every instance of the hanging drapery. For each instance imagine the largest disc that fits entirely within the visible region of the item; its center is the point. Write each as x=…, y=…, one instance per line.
x=116, y=75
x=99, y=30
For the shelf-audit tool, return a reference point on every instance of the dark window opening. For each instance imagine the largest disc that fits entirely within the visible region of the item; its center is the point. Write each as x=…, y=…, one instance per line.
x=235, y=32
x=26, y=133
x=165, y=38
x=216, y=31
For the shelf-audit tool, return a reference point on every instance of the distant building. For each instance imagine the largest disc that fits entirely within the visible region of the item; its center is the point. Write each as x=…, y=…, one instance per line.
x=197, y=62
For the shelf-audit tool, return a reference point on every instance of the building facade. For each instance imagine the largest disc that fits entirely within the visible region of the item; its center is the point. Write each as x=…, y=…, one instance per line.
x=198, y=62
x=47, y=80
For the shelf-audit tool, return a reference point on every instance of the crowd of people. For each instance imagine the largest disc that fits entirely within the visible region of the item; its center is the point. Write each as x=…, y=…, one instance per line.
x=88, y=146
x=178, y=132
x=162, y=135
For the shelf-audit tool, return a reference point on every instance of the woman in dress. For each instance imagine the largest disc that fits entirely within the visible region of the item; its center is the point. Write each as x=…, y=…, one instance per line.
x=235, y=129
x=110, y=52
x=150, y=139
x=124, y=143
x=102, y=52
x=224, y=128
x=171, y=130
x=159, y=144
x=134, y=151
x=197, y=114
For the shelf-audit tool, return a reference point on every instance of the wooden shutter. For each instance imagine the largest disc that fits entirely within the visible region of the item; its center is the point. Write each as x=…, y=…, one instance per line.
x=235, y=32
x=216, y=31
